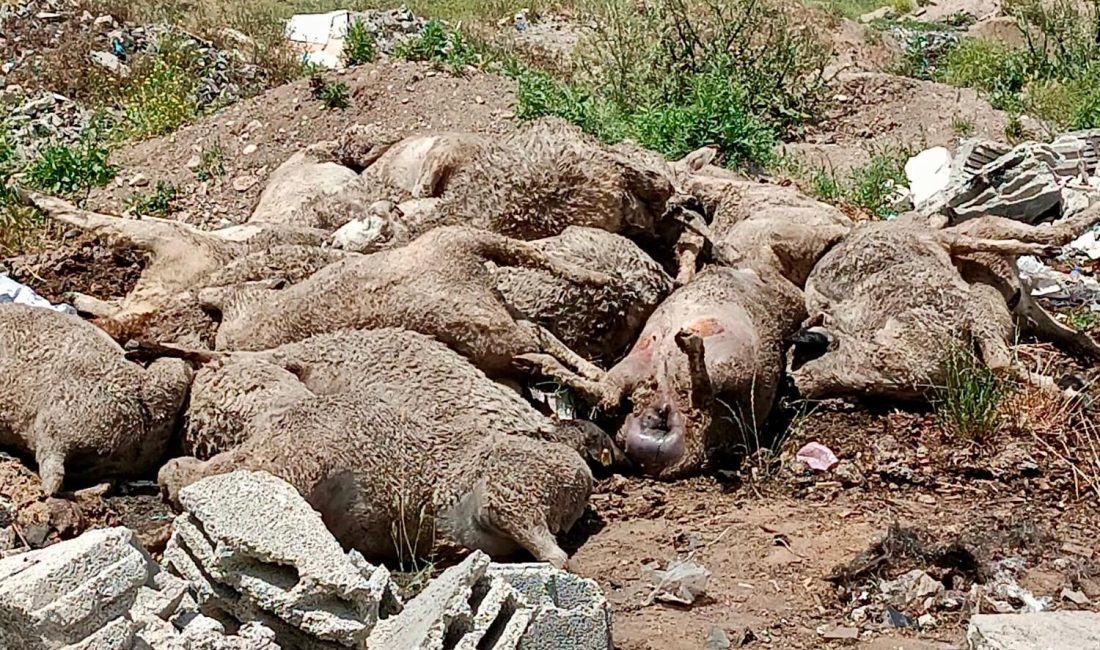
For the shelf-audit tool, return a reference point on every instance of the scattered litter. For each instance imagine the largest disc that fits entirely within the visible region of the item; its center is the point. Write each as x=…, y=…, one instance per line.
x=681, y=583
x=894, y=618
x=915, y=589
x=1004, y=586
x=21, y=294
x=817, y=456
x=320, y=37
x=926, y=621
x=1087, y=244
x=1063, y=289
x=928, y=173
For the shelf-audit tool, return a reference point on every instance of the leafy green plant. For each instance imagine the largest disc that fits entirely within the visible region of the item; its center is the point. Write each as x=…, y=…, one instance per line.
x=211, y=163
x=359, y=44
x=67, y=170
x=1083, y=319
x=333, y=94
x=968, y=406
x=162, y=96
x=158, y=203
x=439, y=44
x=870, y=187
x=676, y=76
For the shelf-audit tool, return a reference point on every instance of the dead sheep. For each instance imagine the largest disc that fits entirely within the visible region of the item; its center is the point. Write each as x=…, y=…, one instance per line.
x=437, y=285
x=1002, y=273
x=597, y=321
x=705, y=372
x=754, y=224
x=388, y=480
x=296, y=192
x=887, y=308
x=417, y=166
x=437, y=382
x=182, y=259
x=70, y=398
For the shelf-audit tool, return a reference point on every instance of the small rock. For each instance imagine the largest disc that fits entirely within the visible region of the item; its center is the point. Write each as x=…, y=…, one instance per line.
x=1075, y=597
x=244, y=183
x=49, y=16
x=717, y=639
x=194, y=162
x=254, y=125
x=104, y=23
x=841, y=634
x=139, y=180
x=249, y=150
x=1077, y=549
x=110, y=63
x=479, y=99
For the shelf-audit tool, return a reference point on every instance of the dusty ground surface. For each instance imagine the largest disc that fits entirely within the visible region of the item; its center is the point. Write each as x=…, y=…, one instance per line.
x=286, y=119
x=875, y=111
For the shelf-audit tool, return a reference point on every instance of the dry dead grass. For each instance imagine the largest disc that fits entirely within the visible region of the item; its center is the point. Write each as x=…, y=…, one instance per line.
x=1064, y=426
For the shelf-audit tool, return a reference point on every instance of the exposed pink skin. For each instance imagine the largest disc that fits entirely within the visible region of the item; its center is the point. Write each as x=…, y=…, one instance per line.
x=705, y=371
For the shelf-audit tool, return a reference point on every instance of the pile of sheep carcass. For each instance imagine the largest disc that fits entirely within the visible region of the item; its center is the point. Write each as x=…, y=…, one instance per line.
x=368, y=334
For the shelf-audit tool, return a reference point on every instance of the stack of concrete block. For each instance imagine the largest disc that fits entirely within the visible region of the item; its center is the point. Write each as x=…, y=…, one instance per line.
x=255, y=551
x=102, y=591
x=465, y=608
x=250, y=555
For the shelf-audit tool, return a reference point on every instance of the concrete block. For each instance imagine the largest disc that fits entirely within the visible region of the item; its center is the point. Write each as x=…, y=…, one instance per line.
x=251, y=546
x=570, y=611
x=462, y=608
x=1037, y=631
x=65, y=593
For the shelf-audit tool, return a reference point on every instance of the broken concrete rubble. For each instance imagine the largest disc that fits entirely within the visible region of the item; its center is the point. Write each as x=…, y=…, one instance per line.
x=570, y=611
x=249, y=555
x=463, y=604
x=1034, y=631
x=102, y=591
x=256, y=551
x=1029, y=182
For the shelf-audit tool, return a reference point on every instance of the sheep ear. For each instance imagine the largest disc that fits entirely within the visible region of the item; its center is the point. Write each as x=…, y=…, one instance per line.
x=698, y=159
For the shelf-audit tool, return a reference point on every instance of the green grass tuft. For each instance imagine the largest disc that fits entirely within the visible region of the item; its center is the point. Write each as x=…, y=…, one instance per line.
x=968, y=406
x=161, y=202
x=333, y=94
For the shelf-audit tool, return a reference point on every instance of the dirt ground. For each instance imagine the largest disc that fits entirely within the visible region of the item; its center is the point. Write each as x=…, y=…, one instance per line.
x=284, y=120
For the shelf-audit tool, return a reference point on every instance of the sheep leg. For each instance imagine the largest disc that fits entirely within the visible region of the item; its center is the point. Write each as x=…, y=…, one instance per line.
x=51, y=463
x=1039, y=323
x=963, y=245
x=505, y=251
x=533, y=537
x=1058, y=234
x=594, y=392
x=146, y=233
x=553, y=346
x=97, y=308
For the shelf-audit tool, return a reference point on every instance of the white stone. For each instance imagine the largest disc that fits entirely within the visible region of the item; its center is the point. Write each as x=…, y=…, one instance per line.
x=1038, y=631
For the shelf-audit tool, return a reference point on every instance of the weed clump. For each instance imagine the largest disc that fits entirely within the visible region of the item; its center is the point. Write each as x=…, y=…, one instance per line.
x=871, y=187
x=158, y=203
x=1054, y=76
x=359, y=45
x=333, y=94
x=674, y=76
x=439, y=44
x=968, y=405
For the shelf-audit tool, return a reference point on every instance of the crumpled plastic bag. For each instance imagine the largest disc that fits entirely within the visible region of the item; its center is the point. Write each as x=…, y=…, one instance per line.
x=681, y=583
x=817, y=456
x=21, y=294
